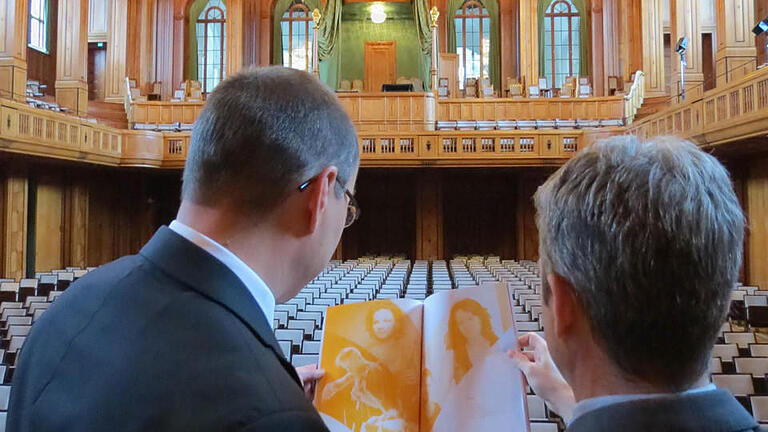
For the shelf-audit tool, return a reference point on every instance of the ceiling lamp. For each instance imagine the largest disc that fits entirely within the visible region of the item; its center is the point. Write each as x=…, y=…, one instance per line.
x=377, y=13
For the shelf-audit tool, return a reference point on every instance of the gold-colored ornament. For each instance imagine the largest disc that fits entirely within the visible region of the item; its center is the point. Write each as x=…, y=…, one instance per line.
x=434, y=14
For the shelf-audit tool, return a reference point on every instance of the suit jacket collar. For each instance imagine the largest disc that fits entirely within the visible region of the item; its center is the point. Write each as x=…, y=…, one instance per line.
x=715, y=411
x=202, y=272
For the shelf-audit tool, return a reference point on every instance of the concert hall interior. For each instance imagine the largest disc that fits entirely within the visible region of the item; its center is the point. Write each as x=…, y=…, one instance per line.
x=462, y=108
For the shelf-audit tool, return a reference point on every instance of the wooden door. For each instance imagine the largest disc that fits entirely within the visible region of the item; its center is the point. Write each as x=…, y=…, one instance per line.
x=379, y=65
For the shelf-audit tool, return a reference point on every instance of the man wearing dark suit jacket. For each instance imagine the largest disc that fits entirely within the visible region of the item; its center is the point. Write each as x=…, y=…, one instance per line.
x=179, y=337
x=640, y=246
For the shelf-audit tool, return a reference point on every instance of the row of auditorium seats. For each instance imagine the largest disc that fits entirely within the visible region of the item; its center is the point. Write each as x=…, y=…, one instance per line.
x=487, y=125
x=739, y=360
x=21, y=305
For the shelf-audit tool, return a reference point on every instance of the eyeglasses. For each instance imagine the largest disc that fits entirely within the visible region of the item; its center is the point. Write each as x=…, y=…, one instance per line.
x=353, y=209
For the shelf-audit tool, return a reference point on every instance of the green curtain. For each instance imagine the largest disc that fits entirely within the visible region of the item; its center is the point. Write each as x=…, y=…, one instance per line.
x=584, y=35
x=492, y=6
x=422, y=19
x=328, y=35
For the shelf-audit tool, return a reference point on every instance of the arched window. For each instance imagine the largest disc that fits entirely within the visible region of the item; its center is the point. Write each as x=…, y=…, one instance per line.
x=473, y=40
x=297, y=30
x=211, y=42
x=561, y=42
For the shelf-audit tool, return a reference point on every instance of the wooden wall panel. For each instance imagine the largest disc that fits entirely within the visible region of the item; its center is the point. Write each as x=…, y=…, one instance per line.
x=387, y=223
x=15, y=227
x=76, y=225
x=757, y=217
x=653, y=47
x=509, y=21
x=736, y=52
x=479, y=212
x=80, y=218
x=48, y=226
x=98, y=20
x=41, y=66
x=429, y=216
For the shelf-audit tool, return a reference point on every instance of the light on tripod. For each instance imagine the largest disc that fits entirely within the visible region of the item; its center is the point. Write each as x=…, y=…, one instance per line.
x=682, y=46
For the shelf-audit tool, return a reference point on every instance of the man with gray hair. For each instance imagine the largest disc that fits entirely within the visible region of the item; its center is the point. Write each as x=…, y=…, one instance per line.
x=640, y=246
x=179, y=337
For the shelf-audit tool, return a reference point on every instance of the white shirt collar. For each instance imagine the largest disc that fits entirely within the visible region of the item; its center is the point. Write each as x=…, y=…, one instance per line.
x=258, y=289
x=595, y=403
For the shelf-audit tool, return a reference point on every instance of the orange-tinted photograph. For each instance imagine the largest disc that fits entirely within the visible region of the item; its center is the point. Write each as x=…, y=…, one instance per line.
x=372, y=357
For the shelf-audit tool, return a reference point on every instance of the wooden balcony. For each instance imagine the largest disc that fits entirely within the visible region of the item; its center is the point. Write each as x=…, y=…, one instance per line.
x=737, y=111
x=38, y=132
x=394, y=129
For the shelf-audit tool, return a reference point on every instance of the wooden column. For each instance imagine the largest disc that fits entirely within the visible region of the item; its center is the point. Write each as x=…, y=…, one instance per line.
x=611, y=25
x=251, y=47
x=13, y=49
x=653, y=47
x=529, y=41
x=429, y=217
x=599, y=80
x=736, y=52
x=630, y=43
x=72, y=58
x=15, y=227
x=117, y=32
x=684, y=22
x=179, y=46
x=234, y=31
x=508, y=21
x=163, y=53
x=265, y=34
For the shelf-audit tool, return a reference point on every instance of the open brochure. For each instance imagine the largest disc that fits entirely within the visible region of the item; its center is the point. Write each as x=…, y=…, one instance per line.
x=409, y=366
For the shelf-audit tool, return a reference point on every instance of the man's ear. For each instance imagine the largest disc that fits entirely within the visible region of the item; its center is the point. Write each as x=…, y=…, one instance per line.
x=317, y=195
x=563, y=303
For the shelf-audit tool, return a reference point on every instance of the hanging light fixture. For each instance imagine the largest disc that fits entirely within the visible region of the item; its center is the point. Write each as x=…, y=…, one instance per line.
x=378, y=15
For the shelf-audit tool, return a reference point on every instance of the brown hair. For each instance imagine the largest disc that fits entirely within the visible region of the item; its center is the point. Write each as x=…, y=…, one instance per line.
x=455, y=340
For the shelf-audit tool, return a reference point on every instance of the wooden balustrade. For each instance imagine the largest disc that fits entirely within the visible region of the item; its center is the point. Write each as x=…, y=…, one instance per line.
x=28, y=130
x=736, y=111
x=469, y=148
x=160, y=113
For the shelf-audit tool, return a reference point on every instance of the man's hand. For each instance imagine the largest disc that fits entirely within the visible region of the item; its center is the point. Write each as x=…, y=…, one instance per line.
x=542, y=374
x=309, y=376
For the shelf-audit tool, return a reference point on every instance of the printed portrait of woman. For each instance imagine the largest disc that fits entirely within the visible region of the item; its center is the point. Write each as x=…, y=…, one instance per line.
x=373, y=383
x=470, y=336
x=478, y=397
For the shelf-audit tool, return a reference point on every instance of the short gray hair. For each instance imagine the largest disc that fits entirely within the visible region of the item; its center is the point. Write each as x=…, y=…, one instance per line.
x=261, y=134
x=650, y=235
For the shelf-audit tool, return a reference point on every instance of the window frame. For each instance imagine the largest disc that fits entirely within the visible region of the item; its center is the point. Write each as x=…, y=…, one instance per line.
x=551, y=15
x=462, y=14
x=44, y=25
x=206, y=22
x=309, y=26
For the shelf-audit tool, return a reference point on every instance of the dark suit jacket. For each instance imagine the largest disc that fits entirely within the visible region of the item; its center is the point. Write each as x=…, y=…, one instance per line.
x=714, y=411
x=166, y=340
